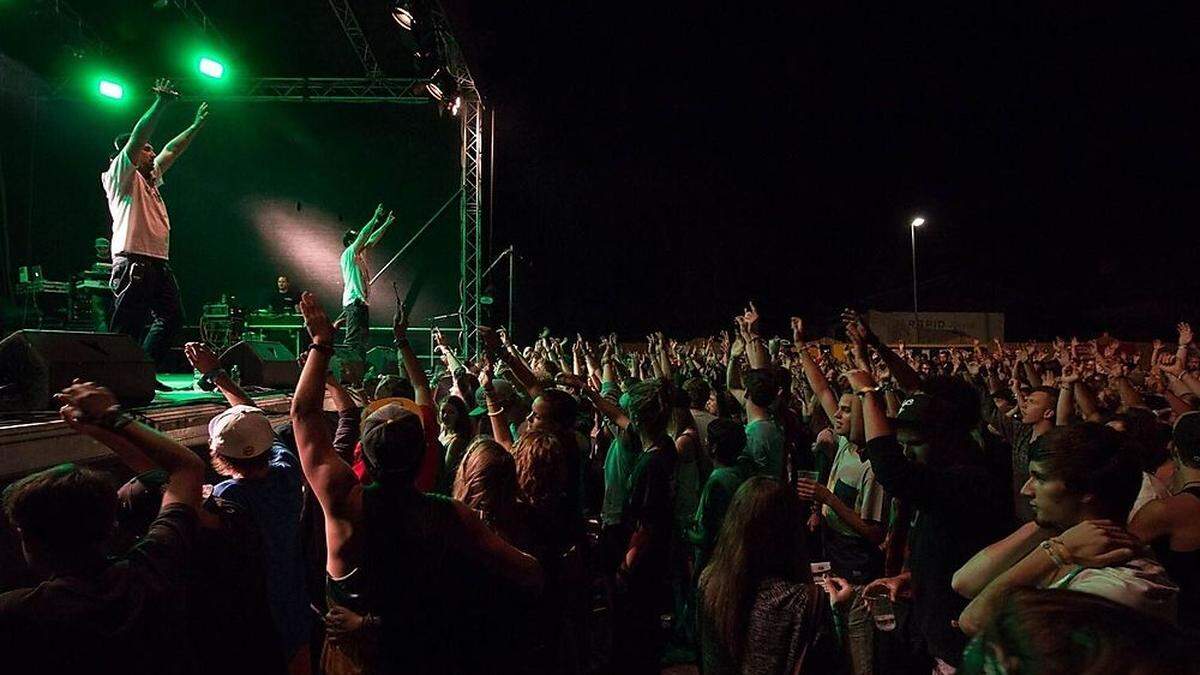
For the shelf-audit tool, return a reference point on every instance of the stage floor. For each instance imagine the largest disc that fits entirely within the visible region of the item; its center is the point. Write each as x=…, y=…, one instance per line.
x=36, y=440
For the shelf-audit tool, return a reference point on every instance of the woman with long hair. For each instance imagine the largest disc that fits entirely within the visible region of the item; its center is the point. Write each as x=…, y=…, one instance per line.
x=760, y=610
x=455, y=432
x=486, y=481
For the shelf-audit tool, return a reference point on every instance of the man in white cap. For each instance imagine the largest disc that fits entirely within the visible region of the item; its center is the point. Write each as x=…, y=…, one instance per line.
x=264, y=478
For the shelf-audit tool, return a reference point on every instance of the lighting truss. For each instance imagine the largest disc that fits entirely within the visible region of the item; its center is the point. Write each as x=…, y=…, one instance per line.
x=349, y=22
x=316, y=89
x=195, y=14
x=471, y=254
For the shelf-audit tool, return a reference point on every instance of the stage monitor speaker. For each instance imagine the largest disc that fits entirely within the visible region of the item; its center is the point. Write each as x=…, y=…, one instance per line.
x=262, y=364
x=36, y=364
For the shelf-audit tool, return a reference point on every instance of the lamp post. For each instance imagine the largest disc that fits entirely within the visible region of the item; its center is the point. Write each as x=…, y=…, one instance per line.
x=912, y=228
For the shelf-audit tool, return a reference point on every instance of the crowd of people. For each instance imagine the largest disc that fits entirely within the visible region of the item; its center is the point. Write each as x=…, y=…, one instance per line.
x=744, y=503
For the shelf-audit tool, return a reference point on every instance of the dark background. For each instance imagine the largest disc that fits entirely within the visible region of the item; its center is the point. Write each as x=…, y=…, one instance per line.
x=658, y=164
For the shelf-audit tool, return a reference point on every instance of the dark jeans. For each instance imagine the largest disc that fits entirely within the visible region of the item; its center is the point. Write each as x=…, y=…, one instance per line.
x=358, y=322
x=147, y=305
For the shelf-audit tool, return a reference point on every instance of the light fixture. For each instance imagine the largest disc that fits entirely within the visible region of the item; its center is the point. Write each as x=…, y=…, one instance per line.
x=440, y=85
x=455, y=105
x=111, y=89
x=403, y=16
x=211, y=68
x=918, y=221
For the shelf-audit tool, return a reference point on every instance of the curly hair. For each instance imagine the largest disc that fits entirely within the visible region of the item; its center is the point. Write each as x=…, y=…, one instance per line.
x=541, y=462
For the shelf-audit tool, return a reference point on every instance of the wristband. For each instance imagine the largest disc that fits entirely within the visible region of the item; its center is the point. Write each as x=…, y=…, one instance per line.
x=323, y=349
x=114, y=419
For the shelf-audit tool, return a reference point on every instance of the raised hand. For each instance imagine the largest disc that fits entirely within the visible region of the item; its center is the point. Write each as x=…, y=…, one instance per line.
x=1185, y=333
x=859, y=379
x=85, y=402
x=797, y=330
x=491, y=341
x=315, y=320
x=201, y=116
x=750, y=317
x=201, y=356
x=165, y=89
x=400, y=321
x=1069, y=376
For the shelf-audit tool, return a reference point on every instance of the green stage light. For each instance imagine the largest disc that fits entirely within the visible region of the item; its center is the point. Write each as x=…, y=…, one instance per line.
x=111, y=89
x=211, y=68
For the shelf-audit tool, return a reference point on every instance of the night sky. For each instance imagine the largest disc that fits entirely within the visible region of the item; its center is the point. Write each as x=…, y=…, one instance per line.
x=660, y=167
x=659, y=164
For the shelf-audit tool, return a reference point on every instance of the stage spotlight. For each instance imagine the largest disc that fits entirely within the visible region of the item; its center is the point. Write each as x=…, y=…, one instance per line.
x=455, y=105
x=211, y=68
x=918, y=221
x=403, y=15
x=110, y=89
x=440, y=85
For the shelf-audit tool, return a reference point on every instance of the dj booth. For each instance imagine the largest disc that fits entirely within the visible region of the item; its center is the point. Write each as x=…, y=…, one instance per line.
x=223, y=324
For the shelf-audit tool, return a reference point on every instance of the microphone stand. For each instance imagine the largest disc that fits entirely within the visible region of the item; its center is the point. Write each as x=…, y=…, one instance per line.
x=512, y=270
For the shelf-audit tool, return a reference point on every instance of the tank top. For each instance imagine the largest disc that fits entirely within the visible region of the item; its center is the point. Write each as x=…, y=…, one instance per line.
x=1184, y=569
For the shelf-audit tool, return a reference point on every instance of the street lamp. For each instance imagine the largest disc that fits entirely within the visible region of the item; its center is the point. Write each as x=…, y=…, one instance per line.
x=912, y=228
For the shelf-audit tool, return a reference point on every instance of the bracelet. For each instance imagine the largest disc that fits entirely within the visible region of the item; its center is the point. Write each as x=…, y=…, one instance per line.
x=497, y=413
x=114, y=419
x=323, y=349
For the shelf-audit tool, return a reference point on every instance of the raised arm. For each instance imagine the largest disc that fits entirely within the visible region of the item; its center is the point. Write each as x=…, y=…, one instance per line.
x=516, y=364
x=92, y=410
x=332, y=480
x=205, y=360
x=176, y=146
x=495, y=412
x=164, y=93
x=378, y=232
x=812, y=372
x=1065, y=410
x=364, y=235
x=904, y=375
x=422, y=393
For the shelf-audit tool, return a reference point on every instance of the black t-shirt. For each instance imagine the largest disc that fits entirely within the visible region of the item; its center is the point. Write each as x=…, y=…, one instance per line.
x=650, y=506
x=229, y=617
x=285, y=303
x=960, y=509
x=125, y=617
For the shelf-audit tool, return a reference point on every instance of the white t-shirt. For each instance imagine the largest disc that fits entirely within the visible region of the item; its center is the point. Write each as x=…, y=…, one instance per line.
x=1152, y=488
x=140, y=223
x=1140, y=584
x=853, y=481
x=355, y=276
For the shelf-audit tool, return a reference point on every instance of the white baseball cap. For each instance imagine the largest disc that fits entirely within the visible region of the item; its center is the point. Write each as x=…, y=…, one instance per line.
x=241, y=432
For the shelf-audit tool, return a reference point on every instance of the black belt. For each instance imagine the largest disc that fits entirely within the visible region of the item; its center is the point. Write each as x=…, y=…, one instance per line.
x=138, y=257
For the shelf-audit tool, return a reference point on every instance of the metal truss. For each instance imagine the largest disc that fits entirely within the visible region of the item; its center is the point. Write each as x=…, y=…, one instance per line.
x=317, y=89
x=192, y=11
x=472, y=256
x=345, y=16
x=66, y=16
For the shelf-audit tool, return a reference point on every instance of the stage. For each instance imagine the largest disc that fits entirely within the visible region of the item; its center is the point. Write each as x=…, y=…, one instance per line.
x=30, y=441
